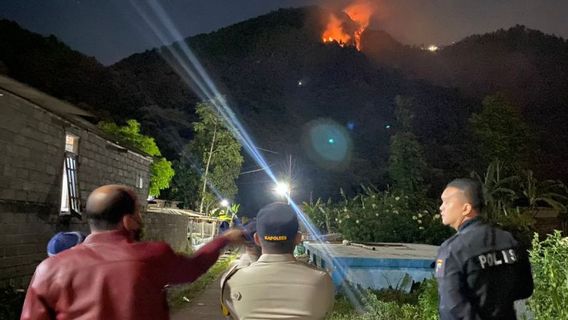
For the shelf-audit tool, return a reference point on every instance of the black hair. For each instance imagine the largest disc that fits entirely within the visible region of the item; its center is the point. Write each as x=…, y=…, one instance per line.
x=106, y=217
x=472, y=191
x=279, y=247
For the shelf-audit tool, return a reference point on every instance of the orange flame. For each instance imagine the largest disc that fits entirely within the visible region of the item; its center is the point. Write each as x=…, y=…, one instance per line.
x=334, y=31
x=360, y=12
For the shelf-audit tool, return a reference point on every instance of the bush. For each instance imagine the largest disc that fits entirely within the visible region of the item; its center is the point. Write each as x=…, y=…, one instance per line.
x=428, y=300
x=378, y=310
x=381, y=216
x=421, y=304
x=549, y=260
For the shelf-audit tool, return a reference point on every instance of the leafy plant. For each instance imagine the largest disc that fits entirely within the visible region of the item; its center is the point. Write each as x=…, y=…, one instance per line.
x=161, y=172
x=428, y=300
x=497, y=189
x=500, y=132
x=549, y=260
x=380, y=216
x=218, y=156
x=421, y=304
x=550, y=192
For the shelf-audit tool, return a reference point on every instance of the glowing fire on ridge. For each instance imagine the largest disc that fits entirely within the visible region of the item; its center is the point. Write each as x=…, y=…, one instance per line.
x=360, y=12
x=334, y=31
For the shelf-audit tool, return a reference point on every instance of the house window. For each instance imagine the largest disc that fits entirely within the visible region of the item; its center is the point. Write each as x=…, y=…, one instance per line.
x=139, y=181
x=72, y=143
x=70, y=195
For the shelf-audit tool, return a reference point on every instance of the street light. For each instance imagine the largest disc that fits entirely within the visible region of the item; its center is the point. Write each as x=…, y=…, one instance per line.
x=282, y=189
x=224, y=203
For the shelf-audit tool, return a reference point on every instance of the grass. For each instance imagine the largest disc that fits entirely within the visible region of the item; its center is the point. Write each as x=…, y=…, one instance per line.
x=182, y=294
x=419, y=304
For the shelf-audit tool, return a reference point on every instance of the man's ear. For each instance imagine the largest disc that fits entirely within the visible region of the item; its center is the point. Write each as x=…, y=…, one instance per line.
x=129, y=222
x=256, y=239
x=467, y=209
x=298, y=239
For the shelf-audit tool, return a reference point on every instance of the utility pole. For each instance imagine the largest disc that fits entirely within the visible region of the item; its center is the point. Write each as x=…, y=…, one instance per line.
x=211, y=148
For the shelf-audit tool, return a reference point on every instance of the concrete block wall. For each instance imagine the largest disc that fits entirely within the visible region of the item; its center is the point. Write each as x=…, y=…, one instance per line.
x=171, y=228
x=31, y=155
x=32, y=145
x=101, y=162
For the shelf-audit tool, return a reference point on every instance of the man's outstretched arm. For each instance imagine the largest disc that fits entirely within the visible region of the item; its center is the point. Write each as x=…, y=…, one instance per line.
x=184, y=268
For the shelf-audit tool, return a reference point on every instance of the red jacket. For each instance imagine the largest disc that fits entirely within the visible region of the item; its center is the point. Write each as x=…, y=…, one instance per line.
x=111, y=277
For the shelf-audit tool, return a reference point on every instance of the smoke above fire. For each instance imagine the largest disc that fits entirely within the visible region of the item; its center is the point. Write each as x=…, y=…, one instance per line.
x=347, y=29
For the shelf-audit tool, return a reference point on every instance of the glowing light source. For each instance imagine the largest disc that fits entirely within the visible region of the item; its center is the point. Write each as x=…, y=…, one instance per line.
x=432, y=48
x=331, y=141
x=282, y=188
x=224, y=203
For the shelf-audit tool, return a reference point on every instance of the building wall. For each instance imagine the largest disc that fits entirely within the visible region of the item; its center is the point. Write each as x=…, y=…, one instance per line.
x=32, y=144
x=171, y=228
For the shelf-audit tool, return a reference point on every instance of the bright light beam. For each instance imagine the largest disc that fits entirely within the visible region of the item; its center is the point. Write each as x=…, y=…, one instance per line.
x=207, y=90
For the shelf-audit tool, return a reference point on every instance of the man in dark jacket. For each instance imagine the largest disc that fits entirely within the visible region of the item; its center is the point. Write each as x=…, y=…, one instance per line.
x=111, y=275
x=481, y=270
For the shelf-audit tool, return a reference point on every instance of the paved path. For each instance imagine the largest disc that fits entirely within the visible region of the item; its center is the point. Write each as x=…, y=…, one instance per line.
x=204, y=307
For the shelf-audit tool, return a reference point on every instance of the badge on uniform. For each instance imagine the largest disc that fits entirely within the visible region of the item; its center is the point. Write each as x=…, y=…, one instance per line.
x=439, y=267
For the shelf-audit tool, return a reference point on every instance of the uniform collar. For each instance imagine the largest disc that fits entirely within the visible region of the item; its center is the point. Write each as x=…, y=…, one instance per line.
x=276, y=258
x=468, y=223
x=107, y=237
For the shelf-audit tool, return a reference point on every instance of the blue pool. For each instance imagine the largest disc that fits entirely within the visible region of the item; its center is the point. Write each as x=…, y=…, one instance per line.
x=375, y=265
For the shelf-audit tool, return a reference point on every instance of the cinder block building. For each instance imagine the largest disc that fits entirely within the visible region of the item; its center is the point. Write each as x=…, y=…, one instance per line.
x=51, y=157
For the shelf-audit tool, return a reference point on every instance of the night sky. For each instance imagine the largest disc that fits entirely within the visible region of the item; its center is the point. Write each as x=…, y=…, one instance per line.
x=111, y=29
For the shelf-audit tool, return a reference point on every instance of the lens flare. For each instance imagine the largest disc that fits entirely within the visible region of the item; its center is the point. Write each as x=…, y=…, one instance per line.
x=180, y=57
x=327, y=143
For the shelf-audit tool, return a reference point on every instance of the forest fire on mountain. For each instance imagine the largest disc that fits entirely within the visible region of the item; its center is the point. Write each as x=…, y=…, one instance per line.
x=348, y=31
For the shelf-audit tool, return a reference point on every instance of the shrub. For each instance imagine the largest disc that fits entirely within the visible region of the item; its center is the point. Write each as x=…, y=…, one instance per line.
x=381, y=216
x=377, y=310
x=549, y=260
x=421, y=304
x=428, y=300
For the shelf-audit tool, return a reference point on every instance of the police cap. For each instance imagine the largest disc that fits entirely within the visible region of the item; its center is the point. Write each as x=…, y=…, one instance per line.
x=277, y=222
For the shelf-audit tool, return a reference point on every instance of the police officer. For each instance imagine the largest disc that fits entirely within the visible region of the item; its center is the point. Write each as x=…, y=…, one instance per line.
x=277, y=286
x=251, y=254
x=481, y=270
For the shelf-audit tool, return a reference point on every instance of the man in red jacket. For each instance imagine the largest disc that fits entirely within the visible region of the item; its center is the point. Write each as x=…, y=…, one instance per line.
x=111, y=275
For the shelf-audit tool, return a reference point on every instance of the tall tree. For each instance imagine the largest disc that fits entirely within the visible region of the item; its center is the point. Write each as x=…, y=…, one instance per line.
x=219, y=155
x=501, y=133
x=161, y=171
x=407, y=166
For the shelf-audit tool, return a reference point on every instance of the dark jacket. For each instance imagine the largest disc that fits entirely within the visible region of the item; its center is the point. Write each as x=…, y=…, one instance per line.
x=481, y=271
x=110, y=277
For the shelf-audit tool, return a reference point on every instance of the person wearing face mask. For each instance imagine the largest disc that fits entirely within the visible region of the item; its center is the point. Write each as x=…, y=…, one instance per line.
x=481, y=270
x=112, y=275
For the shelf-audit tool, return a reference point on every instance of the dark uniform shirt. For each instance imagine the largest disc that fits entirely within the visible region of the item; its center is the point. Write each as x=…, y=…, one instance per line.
x=481, y=271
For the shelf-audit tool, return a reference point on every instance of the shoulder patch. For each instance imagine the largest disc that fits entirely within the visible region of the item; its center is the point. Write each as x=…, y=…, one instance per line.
x=439, y=267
